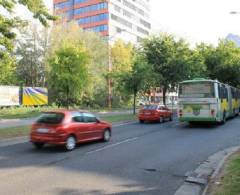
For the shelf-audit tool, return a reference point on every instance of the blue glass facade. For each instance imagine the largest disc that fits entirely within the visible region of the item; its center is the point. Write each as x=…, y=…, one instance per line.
x=86, y=14
x=92, y=19
x=68, y=3
x=90, y=8
x=99, y=28
x=63, y=5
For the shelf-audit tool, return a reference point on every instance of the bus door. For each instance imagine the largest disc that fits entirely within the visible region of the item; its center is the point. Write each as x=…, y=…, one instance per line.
x=230, y=105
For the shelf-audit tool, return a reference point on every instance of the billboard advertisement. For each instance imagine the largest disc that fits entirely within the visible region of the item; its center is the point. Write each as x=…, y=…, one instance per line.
x=9, y=96
x=33, y=96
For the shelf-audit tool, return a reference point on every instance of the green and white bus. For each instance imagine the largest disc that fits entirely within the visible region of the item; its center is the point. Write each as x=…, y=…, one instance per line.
x=207, y=100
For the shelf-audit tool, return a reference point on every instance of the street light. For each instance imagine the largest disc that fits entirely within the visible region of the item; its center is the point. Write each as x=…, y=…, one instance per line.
x=109, y=81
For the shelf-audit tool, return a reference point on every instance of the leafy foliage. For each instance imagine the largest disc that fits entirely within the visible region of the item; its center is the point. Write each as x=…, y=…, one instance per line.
x=7, y=70
x=121, y=56
x=95, y=92
x=170, y=59
x=122, y=62
x=68, y=74
x=8, y=23
x=32, y=47
x=137, y=79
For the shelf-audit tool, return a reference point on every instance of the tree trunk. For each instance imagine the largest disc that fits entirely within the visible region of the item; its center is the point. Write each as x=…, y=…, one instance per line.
x=164, y=94
x=134, y=102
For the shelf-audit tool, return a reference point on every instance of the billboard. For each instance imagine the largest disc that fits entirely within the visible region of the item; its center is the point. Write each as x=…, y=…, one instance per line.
x=33, y=96
x=9, y=96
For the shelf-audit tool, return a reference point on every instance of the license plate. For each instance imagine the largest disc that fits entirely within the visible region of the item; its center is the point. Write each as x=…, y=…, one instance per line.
x=147, y=113
x=42, y=130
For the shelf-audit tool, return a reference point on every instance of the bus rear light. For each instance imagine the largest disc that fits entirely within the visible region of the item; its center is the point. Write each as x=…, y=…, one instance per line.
x=212, y=112
x=180, y=113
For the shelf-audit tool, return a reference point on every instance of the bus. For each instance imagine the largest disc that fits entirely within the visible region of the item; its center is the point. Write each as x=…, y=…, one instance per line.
x=207, y=100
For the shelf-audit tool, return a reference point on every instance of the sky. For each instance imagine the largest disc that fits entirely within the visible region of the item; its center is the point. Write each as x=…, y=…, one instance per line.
x=195, y=20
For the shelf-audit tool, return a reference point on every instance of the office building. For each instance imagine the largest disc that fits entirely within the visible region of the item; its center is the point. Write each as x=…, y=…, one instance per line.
x=114, y=19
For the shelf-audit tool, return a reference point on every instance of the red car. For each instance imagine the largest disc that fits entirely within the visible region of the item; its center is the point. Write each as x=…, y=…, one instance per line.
x=154, y=113
x=68, y=128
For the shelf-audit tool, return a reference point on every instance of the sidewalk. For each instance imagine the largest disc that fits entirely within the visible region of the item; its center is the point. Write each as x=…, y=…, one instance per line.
x=197, y=181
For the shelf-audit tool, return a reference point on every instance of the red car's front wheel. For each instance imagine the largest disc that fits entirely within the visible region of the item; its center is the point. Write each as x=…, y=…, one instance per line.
x=106, y=135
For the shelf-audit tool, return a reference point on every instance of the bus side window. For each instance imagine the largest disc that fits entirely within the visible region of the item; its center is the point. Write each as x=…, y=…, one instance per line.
x=219, y=92
x=225, y=93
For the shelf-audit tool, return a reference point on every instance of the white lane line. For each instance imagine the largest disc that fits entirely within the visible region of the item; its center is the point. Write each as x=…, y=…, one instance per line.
x=129, y=123
x=113, y=145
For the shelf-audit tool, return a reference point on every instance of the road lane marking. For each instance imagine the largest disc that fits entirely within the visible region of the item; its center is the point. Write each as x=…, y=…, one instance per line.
x=128, y=123
x=113, y=145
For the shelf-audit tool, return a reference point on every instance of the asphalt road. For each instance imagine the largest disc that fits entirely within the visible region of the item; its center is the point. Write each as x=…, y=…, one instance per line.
x=140, y=159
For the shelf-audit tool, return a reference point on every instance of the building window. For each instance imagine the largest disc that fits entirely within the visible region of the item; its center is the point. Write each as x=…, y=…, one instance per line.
x=79, y=1
x=121, y=21
x=146, y=24
x=92, y=19
x=62, y=5
x=142, y=31
x=133, y=7
x=117, y=8
x=99, y=28
x=128, y=14
x=90, y=8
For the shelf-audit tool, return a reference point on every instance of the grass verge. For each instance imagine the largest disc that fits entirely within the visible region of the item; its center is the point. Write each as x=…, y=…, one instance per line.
x=228, y=182
x=14, y=132
x=119, y=118
x=23, y=112
x=30, y=112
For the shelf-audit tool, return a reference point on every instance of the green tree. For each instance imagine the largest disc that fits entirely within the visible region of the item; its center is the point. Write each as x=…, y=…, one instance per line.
x=31, y=50
x=95, y=92
x=170, y=59
x=228, y=68
x=122, y=61
x=68, y=76
x=222, y=62
x=138, y=79
x=121, y=56
x=8, y=23
x=7, y=70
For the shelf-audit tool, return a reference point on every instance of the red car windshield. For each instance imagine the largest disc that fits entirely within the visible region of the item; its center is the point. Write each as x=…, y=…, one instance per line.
x=51, y=118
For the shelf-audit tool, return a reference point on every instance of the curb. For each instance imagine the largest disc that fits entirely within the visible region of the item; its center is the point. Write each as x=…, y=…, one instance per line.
x=197, y=181
x=25, y=139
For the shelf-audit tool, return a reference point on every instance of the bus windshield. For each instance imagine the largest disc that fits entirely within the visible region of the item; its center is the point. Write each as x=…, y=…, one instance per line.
x=197, y=90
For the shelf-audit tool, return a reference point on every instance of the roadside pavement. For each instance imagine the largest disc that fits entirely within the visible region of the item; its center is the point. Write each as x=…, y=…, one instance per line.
x=197, y=182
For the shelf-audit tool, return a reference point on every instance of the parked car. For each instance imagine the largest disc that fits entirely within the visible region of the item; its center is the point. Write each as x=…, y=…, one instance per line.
x=68, y=128
x=154, y=113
